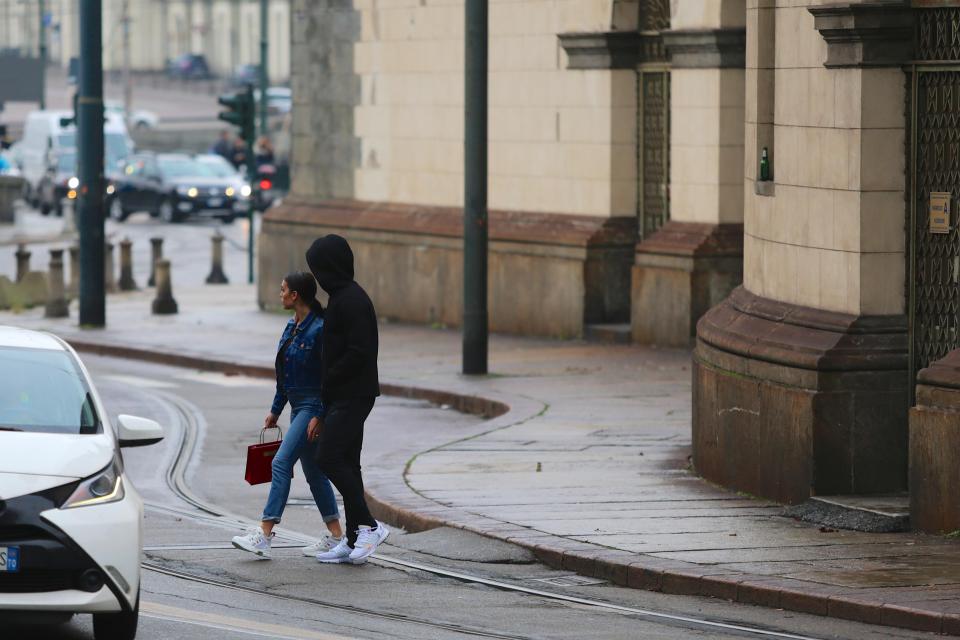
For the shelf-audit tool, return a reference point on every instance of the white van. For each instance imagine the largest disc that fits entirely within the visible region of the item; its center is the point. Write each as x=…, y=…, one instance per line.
x=44, y=136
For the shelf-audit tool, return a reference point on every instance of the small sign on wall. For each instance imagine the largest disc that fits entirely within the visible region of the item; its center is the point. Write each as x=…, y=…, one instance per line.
x=939, y=212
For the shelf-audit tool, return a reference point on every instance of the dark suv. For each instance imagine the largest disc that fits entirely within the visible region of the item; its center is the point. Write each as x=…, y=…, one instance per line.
x=174, y=186
x=189, y=66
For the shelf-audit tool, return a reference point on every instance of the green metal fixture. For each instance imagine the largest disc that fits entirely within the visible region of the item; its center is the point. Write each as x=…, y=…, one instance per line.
x=41, y=6
x=264, y=34
x=475, y=329
x=89, y=116
x=241, y=114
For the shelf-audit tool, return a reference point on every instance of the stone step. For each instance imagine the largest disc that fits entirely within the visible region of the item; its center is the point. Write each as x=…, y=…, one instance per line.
x=880, y=513
x=607, y=333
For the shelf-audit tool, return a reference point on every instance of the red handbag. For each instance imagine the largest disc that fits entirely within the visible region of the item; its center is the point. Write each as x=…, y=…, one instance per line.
x=260, y=459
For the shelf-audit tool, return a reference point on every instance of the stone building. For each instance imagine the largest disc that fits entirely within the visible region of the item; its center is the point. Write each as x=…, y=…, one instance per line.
x=756, y=178
x=226, y=32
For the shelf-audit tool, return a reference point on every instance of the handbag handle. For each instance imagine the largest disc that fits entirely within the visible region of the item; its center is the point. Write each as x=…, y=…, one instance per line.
x=262, y=431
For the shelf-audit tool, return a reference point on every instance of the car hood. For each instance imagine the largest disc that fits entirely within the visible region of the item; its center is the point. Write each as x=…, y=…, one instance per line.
x=53, y=454
x=204, y=182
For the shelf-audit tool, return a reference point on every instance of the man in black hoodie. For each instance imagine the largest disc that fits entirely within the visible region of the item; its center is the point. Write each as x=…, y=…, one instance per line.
x=349, y=389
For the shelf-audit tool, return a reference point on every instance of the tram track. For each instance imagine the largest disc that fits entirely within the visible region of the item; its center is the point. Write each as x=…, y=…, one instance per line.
x=192, y=423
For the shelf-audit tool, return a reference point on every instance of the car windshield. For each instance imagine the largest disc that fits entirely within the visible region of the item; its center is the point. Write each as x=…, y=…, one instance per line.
x=186, y=168
x=220, y=167
x=114, y=146
x=44, y=391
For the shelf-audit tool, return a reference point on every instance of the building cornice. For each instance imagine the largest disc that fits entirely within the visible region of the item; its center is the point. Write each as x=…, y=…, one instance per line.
x=612, y=49
x=706, y=48
x=869, y=34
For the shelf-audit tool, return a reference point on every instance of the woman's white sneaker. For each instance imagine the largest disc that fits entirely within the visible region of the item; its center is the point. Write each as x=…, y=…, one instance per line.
x=368, y=540
x=339, y=553
x=326, y=543
x=255, y=542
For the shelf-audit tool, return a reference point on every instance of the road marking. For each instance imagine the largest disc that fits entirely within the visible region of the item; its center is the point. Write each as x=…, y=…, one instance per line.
x=229, y=623
x=221, y=380
x=137, y=381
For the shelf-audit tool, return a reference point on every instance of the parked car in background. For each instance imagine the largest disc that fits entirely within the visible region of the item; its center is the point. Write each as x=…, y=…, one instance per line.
x=139, y=118
x=189, y=66
x=61, y=181
x=175, y=186
x=279, y=100
x=72, y=521
x=45, y=135
x=245, y=74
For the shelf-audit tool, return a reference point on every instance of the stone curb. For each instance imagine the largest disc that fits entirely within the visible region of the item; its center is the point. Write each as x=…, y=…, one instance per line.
x=415, y=513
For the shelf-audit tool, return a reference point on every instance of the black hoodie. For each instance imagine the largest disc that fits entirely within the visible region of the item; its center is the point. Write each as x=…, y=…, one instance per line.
x=350, y=325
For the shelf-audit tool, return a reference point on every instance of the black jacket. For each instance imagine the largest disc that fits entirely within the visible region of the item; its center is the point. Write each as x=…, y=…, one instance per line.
x=350, y=327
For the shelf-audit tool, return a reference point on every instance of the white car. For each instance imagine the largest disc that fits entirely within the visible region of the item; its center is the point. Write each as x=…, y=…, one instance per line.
x=70, y=521
x=139, y=118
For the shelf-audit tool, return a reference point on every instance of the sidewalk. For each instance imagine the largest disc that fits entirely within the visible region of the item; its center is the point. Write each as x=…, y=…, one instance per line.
x=585, y=462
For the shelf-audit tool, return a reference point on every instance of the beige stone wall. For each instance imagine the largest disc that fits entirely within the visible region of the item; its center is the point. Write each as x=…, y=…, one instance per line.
x=560, y=140
x=832, y=234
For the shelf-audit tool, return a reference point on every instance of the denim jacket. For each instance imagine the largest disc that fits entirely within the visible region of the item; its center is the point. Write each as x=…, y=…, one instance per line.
x=301, y=369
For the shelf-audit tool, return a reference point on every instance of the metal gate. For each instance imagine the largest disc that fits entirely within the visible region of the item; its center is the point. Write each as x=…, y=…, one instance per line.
x=933, y=156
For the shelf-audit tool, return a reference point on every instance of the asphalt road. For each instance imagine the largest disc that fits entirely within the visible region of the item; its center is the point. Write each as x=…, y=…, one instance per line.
x=197, y=586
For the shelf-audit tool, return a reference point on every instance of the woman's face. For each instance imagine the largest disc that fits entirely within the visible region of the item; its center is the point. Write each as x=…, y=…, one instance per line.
x=287, y=298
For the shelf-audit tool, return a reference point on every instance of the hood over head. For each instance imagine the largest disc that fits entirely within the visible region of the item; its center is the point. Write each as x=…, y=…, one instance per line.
x=331, y=261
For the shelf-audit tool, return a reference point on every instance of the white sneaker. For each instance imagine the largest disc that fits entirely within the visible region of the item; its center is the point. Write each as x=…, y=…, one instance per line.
x=326, y=543
x=339, y=553
x=255, y=542
x=367, y=542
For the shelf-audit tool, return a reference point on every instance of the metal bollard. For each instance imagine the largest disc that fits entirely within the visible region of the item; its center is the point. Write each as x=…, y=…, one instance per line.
x=217, y=276
x=73, y=290
x=109, y=273
x=164, y=303
x=127, y=282
x=56, y=298
x=156, y=254
x=23, y=261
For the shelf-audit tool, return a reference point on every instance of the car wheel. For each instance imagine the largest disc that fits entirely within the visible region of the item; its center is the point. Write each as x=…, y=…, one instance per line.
x=167, y=212
x=117, y=626
x=117, y=211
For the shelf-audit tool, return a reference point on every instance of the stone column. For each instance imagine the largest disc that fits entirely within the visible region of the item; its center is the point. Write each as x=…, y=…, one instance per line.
x=156, y=254
x=164, y=303
x=800, y=376
x=127, y=283
x=695, y=259
x=74, y=288
x=23, y=262
x=56, y=299
x=109, y=270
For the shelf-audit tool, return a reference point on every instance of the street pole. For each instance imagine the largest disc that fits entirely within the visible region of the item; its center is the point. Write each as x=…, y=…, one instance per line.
x=127, y=84
x=43, y=56
x=264, y=28
x=90, y=156
x=475, y=191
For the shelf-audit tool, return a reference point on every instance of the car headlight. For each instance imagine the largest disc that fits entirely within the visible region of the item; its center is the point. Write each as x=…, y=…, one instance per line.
x=73, y=182
x=188, y=191
x=110, y=189
x=228, y=192
x=245, y=191
x=100, y=488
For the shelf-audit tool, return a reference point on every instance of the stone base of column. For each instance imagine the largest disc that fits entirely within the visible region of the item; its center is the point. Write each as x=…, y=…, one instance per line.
x=790, y=401
x=549, y=274
x=679, y=273
x=935, y=448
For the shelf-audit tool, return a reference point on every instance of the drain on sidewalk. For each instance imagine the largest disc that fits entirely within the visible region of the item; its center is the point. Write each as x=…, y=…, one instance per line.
x=572, y=580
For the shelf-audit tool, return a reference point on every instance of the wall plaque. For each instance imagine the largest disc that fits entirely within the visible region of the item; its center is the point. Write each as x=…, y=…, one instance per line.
x=939, y=212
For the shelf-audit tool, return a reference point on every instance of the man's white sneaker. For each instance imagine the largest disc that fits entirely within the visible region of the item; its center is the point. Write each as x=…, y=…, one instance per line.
x=367, y=542
x=326, y=543
x=339, y=553
x=255, y=542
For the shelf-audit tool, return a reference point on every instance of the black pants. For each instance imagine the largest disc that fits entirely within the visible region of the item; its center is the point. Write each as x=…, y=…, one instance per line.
x=338, y=455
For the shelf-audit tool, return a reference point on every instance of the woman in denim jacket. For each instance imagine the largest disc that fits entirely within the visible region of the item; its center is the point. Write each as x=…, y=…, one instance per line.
x=298, y=367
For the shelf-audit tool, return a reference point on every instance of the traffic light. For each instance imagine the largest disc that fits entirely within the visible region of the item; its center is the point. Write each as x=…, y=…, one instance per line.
x=240, y=112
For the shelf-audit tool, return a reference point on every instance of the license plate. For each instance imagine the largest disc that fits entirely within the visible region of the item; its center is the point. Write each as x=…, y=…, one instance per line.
x=213, y=203
x=9, y=558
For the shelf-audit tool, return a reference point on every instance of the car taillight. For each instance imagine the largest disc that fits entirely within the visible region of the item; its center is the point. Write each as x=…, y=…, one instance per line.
x=265, y=185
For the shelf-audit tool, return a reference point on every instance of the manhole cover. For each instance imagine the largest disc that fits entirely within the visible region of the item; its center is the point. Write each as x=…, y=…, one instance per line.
x=572, y=580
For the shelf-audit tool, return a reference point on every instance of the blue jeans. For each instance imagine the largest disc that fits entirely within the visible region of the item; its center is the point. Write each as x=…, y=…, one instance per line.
x=296, y=447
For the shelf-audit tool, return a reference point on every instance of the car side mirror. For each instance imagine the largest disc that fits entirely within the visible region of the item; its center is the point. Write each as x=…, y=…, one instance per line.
x=138, y=432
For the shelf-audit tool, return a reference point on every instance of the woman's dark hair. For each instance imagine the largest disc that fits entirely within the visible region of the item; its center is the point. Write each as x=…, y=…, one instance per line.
x=306, y=287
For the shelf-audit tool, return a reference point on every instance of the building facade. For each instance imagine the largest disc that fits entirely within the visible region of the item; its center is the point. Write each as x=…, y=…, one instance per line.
x=226, y=32
x=771, y=181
